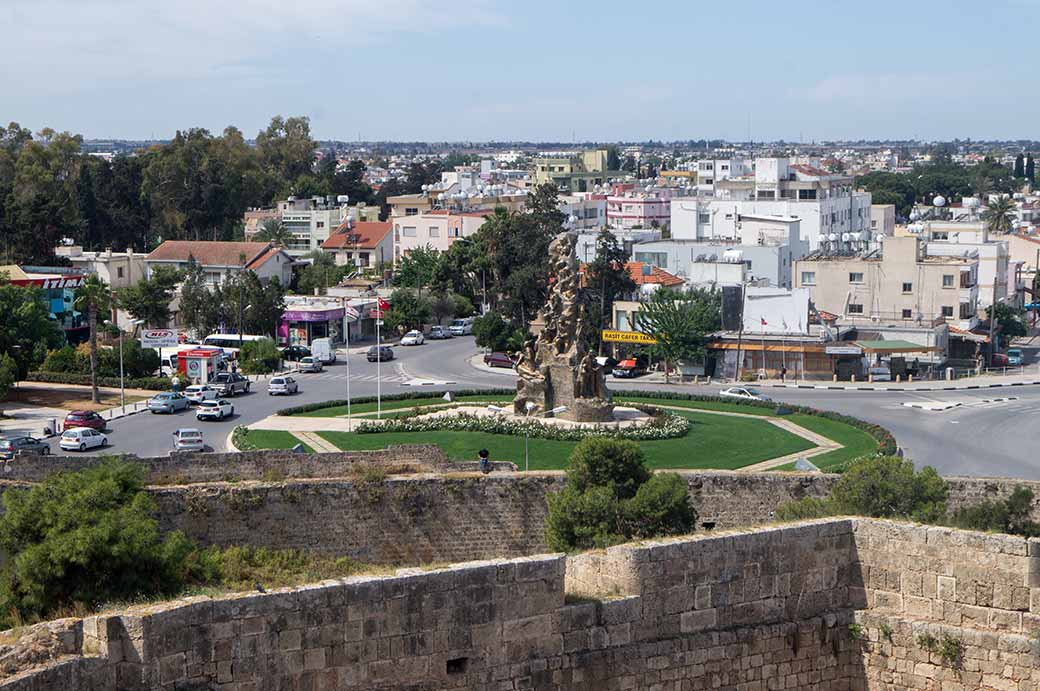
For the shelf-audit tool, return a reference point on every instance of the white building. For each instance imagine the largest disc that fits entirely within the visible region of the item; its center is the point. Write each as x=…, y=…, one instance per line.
x=221, y=260
x=996, y=284
x=584, y=211
x=882, y=219
x=710, y=172
x=311, y=221
x=117, y=269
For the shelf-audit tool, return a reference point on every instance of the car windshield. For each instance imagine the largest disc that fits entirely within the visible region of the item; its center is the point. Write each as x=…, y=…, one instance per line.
x=70, y=434
x=753, y=392
x=5, y=444
x=190, y=434
x=277, y=381
x=208, y=404
x=162, y=396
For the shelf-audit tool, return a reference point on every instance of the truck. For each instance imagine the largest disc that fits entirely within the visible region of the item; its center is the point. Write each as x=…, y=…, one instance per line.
x=321, y=349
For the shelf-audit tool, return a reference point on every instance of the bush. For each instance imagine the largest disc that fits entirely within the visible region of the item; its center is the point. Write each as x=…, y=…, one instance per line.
x=64, y=359
x=79, y=539
x=885, y=487
x=138, y=362
x=611, y=497
x=1009, y=515
x=259, y=357
x=149, y=383
x=492, y=332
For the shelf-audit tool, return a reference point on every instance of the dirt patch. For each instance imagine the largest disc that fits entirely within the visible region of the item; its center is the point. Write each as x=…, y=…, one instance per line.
x=71, y=398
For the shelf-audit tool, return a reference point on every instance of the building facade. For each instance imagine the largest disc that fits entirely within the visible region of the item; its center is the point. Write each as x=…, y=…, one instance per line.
x=221, y=260
x=117, y=269
x=311, y=221
x=363, y=244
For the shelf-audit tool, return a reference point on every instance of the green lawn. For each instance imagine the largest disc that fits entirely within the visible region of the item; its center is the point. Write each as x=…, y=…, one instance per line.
x=697, y=405
x=275, y=439
x=857, y=443
x=714, y=441
x=340, y=411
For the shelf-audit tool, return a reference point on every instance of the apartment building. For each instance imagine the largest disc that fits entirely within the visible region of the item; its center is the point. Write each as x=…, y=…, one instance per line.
x=882, y=219
x=117, y=269
x=311, y=221
x=363, y=244
x=572, y=171
x=713, y=171
x=630, y=208
x=829, y=208
x=584, y=211
x=436, y=229
x=996, y=282
x=901, y=284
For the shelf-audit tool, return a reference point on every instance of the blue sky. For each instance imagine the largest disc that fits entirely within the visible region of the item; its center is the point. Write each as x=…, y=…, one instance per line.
x=538, y=70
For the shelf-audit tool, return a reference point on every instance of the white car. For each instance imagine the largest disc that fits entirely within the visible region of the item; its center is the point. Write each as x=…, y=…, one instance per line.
x=188, y=439
x=282, y=386
x=309, y=364
x=412, y=338
x=214, y=410
x=743, y=392
x=197, y=393
x=81, y=439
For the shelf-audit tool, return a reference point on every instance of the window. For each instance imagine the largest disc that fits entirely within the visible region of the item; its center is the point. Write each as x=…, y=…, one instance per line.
x=855, y=309
x=908, y=314
x=766, y=194
x=707, y=181
x=966, y=310
x=411, y=212
x=947, y=280
x=855, y=277
x=947, y=311
x=806, y=195
x=409, y=231
x=119, y=272
x=434, y=231
x=908, y=287
x=321, y=224
x=873, y=224
x=808, y=278
x=703, y=218
x=940, y=236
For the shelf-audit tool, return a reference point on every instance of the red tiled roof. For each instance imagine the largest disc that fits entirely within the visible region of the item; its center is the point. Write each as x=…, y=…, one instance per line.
x=809, y=170
x=208, y=253
x=657, y=276
x=370, y=233
x=827, y=316
x=266, y=256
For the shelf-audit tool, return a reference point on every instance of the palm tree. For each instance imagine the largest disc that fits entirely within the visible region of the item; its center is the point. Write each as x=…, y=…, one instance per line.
x=999, y=214
x=92, y=297
x=273, y=230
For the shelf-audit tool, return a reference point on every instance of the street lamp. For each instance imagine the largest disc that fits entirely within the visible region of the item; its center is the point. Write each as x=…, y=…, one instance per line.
x=528, y=407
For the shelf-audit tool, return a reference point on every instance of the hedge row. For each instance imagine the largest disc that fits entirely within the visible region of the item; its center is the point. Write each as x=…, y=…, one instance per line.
x=150, y=383
x=886, y=442
x=418, y=395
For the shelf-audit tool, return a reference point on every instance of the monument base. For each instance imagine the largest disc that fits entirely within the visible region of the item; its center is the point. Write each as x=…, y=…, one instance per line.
x=557, y=388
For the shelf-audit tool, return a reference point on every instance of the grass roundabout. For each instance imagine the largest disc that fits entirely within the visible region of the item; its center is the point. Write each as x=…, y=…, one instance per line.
x=722, y=434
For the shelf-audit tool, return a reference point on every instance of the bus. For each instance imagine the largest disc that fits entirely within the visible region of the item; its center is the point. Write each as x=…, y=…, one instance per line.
x=229, y=342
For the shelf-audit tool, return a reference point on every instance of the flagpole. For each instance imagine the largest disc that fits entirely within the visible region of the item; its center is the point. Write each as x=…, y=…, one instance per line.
x=346, y=338
x=379, y=360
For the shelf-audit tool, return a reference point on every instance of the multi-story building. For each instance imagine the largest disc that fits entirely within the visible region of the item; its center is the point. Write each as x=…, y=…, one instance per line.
x=882, y=219
x=117, y=269
x=363, y=244
x=996, y=284
x=311, y=221
x=436, y=230
x=710, y=172
x=584, y=211
x=900, y=285
x=830, y=210
x=221, y=260
x=631, y=208
x=570, y=171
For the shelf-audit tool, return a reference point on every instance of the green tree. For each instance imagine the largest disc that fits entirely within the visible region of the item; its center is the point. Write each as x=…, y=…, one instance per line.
x=319, y=274
x=149, y=299
x=8, y=374
x=885, y=487
x=629, y=165
x=286, y=148
x=442, y=307
x=1010, y=320
x=613, y=160
x=408, y=310
x=999, y=215
x=418, y=268
x=1020, y=166
x=92, y=297
x=610, y=496
x=461, y=306
x=1030, y=169
x=199, y=309
x=492, y=332
x=26, y=330
x=80, y=539
x=273, y=230
x=251, y=306
x=681, y=322
x=607, y=279
x=1010, y=515
x=259, y=357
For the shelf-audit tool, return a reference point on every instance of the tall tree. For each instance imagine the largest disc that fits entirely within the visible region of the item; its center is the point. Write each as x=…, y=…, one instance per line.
x=199, y=307
x=149, y=299
x=1020, y=166
x=1030, y=169
x=273, y=230
x=606, y=280
x=418, y=268
x=999, y=214
x=286, y=147
x=319, y=274
x=613, y=160
x=26, y=331
x=681, y=322
x=92, y=297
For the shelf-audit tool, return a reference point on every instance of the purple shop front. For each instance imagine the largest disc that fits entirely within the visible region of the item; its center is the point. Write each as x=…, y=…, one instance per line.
x=303, y=326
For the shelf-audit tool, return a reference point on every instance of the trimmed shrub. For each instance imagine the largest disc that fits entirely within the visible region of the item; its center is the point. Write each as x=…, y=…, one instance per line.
x=259, y=357
x=616, y=465
x=149, y=383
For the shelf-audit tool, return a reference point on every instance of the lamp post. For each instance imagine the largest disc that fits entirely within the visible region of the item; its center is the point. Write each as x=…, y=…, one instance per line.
x=528, y=407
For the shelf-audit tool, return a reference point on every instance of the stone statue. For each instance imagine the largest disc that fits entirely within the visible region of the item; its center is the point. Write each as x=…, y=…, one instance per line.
x=558, y=367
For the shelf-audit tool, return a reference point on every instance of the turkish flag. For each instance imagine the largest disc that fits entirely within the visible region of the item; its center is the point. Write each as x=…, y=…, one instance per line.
x=383, y=304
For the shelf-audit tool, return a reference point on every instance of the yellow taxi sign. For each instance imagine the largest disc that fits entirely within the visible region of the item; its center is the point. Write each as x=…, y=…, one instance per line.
x=627, y=337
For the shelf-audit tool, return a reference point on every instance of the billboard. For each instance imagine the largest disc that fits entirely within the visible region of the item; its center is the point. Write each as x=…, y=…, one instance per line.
x=627, y=337
x=159, y=338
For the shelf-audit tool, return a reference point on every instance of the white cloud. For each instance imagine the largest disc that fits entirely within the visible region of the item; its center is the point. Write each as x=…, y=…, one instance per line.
x=59, y=43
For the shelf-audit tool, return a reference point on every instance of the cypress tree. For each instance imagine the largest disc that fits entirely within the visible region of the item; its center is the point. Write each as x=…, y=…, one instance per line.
x=1020, y=171
x=1030, y=169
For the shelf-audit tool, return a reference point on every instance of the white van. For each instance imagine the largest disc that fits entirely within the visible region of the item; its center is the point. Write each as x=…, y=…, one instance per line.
x=321, y=349
x=462, y=327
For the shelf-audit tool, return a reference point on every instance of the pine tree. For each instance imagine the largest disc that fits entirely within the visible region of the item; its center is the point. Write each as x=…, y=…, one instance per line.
x=1020, y=171
x=1030, y=170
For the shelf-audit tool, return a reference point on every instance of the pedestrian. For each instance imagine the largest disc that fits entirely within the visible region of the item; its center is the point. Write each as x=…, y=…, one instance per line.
x=783, y=373
x=175, y=383
x=485, y=462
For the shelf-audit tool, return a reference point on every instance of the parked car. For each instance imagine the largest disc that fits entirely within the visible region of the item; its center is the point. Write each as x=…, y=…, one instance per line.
x=461, y=327
x=214, y=410
x=11, y=446
x=321, y=348
x=81, y=439
x=294, y=353
x=282, y=385
x=84, y=418
x=879, y=373
x=1014, y=357
x=632, y=367
x=743, y=392
x=380, y=354
x=188, y=439
x=230, y=383
x=438, y=333
x=412, y=338
x=197, y=393
x=309, y=364
x=498, y=360
x=167, y=402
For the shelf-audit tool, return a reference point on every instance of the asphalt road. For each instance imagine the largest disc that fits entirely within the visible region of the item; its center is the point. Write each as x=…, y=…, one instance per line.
x=978, y=438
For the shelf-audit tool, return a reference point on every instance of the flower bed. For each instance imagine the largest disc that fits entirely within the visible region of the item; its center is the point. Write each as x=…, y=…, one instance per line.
x=662, y=425
x=418, y=395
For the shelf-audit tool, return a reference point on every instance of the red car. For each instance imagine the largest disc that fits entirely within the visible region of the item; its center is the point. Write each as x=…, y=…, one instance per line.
x=498, y=360
x=84, y=418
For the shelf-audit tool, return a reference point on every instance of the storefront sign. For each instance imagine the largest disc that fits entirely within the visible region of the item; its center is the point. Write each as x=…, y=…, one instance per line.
x=158, y=338
x=51, y=283
x=627, y=337
x=312, y=315
x=843, y=350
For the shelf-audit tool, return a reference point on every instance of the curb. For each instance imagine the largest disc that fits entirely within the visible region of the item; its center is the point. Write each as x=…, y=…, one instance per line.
x=427, y=383
x=932, y=407
x=832, y=387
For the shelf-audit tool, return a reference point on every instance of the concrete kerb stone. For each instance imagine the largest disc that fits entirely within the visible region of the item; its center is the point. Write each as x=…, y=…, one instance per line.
x=908, y=386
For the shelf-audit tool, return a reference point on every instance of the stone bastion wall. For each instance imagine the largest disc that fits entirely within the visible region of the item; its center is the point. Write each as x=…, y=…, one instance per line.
x=837, y=604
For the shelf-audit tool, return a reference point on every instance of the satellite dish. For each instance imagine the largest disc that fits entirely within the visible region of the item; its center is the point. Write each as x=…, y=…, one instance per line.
x=914, y=215
x=939, y=200
x=833, y=237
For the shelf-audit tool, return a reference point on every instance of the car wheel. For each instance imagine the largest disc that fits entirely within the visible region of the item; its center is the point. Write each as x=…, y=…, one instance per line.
x=232, y=412
x=82, y=446
x=45, y=451
x=220, y=415
x=104, y=442
x=247, y=388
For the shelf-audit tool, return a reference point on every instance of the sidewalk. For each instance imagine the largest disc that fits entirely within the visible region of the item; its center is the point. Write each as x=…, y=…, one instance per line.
x=967, y=383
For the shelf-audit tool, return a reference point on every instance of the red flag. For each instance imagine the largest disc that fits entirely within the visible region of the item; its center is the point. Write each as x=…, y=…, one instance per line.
x=763, y=320
x=383, y=304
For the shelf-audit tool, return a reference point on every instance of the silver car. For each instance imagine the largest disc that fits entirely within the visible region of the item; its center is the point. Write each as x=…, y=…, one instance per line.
x=310, y=364
x=188, y=439
x=11, y=446
x=168, y=402
x=282, y=386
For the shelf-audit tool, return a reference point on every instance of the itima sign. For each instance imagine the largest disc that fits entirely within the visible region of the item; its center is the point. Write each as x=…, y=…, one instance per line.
x=158, y=338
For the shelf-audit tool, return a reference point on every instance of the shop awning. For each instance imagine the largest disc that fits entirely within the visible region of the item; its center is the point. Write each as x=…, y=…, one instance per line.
x=895, y=346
